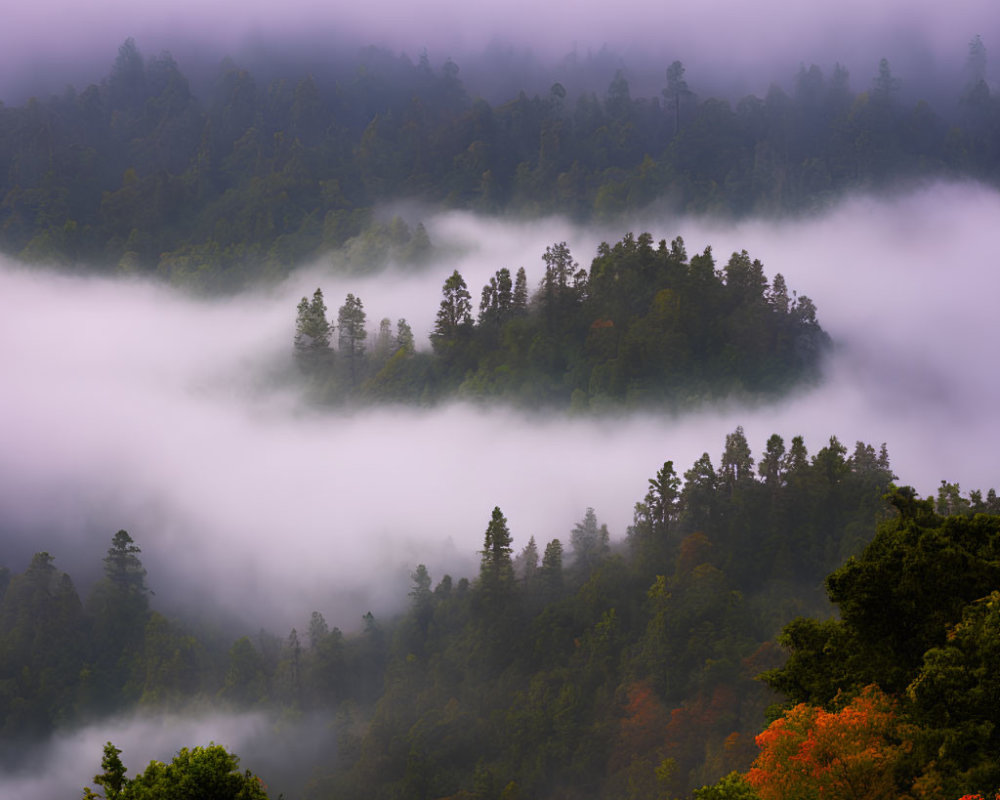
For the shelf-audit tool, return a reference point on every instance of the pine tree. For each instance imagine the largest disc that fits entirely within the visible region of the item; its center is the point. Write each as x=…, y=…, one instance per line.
x=551, y=574
x=496, y=571
x=352, y=335
x=454, y=315
x=404, y=337
x=312, y=332
x=519, y=300
x=590, y=543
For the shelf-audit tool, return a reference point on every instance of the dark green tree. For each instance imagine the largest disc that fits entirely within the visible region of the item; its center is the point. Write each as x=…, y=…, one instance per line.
x=590, y=542
x=496, y=569
x=404, y=337
x=312, y=331
x=119, y=607
x=676, y=92
x=551, y=571
x=454, y=316
x=351, y=335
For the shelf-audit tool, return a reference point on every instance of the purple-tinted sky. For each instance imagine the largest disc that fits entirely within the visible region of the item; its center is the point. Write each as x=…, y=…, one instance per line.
x=77, y=41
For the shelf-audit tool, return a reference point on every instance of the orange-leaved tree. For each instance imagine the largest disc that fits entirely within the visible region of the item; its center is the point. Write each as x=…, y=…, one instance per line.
x=813, y=754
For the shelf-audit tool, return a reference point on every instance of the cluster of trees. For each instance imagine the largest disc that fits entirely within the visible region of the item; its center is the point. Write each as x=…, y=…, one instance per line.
x=64, y=661
x=645, y=325
x=201, y=772
x=249, y=179
x=897, y=694
x=571, y=662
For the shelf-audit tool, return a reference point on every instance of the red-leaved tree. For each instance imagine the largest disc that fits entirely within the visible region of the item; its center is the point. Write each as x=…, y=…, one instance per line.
x=851, y=754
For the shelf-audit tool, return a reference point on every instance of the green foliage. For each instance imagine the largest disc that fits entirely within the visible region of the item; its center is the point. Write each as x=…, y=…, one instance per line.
x=732, y=787
x=200, y=773
x=918, y=617
x=113, y=779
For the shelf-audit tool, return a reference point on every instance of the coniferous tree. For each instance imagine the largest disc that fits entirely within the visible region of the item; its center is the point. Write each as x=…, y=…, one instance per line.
x=312, y=332
x=351, y=335
x=551, y=572
x=590, y=543
x=119, y=605
x=404, y=337
x=519, y=299
x=454, y=316
x=496, y=570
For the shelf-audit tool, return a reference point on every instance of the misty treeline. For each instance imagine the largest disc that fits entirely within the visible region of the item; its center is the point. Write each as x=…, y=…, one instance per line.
x=645, y=325
x=138, y=174
x=570, y=663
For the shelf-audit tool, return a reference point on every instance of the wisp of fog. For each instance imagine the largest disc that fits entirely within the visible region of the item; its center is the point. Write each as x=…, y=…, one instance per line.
x=724, y=43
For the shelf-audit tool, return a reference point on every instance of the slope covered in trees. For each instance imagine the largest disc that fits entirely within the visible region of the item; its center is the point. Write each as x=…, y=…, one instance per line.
x=139, y=174
x=644, y=326
x=569, y=663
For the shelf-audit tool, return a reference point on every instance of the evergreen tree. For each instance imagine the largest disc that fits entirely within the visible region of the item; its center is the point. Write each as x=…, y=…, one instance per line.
x=551, y=571
x=676, y=92
x=119, y=606
x=519, y=299
x=590, y=543
x=526, y=564
x=737, y=463
x=404, y=337
x=351, y=336
x=496, y=570
x=312, y=332
x=454, y=317
x=771, y=467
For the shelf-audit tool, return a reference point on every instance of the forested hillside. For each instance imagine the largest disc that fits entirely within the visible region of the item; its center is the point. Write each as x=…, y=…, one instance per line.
x=643, y=326
x=566, y=664
x=780, y=626
x=138, y=174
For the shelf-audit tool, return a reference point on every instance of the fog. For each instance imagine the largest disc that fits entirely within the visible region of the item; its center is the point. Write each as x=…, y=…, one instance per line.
x=270, y=748
x=129, y=405
x=47, y=44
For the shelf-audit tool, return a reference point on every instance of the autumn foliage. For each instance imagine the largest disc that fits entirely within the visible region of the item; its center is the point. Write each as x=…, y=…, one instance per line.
x=851, y=754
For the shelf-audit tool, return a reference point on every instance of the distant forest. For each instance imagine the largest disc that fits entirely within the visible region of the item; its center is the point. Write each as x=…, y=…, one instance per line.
x=137, y=174
x=644, y=326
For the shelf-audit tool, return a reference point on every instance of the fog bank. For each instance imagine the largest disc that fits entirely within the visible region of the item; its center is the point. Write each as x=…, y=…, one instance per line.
x=47, y=44
x=127, y=405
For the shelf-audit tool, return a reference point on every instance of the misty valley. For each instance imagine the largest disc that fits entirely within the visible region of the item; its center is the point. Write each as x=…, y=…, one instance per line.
x=290, y=507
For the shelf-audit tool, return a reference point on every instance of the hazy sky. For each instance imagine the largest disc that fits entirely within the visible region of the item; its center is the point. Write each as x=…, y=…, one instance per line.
x=77, y=41
x=128, y=406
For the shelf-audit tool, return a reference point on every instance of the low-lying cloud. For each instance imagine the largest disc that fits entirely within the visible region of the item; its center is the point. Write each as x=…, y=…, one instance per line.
x=127, y=405
x=47, y=44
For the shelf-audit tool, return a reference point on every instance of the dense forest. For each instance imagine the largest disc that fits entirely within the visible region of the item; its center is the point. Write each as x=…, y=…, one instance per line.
x=785, y=625
x=620, y=670
x=138, y=174
x=643, y=326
